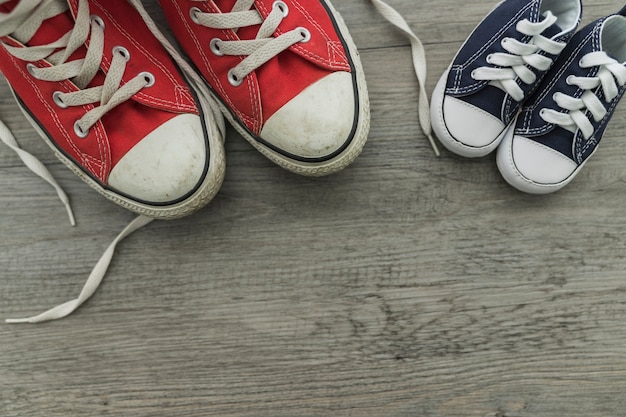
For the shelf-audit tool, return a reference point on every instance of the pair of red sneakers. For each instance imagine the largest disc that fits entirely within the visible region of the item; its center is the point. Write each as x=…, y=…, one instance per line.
x=122, y=109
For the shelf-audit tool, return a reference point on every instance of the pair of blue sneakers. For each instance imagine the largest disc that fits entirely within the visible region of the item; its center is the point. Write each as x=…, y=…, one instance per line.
x=527, y=83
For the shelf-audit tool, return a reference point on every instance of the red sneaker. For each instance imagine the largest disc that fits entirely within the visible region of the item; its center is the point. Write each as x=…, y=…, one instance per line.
x=107, y=97
x=286, y=73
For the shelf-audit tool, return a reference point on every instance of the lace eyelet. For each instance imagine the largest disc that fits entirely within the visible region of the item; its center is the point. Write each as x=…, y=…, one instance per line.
x=233, y=79
x=215, y=47
x=554, y=96
x=80, y=132
x=473, y=74
x=542, y=112
x=30, y=67
x=123, y=52
x=504, y=41
x=149, y=77
x=569, y=80
x=97, y=20
x=56, y=97
x=489, y=59
x=282, y=6
x=306, y=35
x=193, y=13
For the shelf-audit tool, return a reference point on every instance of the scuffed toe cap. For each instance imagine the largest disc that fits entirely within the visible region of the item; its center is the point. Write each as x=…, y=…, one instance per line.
x=166, y=165
x=469, y=125
x=317, y=122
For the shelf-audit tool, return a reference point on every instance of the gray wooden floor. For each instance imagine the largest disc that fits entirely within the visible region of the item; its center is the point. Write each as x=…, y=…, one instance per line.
x=405, y=285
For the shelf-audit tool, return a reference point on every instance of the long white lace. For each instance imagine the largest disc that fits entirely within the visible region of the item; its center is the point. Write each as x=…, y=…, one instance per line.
x=92, y=283
x=257, y=51
x=611, y=77
x=419, y=64
x=26, y=18
x=520, y=56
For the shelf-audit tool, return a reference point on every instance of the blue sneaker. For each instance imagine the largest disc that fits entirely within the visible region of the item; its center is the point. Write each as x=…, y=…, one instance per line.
x=498, y=67
x=561, y=125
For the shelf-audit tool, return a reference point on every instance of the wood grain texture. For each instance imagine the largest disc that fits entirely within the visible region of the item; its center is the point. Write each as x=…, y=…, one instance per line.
x=404, y=286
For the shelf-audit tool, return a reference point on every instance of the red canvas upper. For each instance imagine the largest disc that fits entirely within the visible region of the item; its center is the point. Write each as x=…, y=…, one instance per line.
x=123, y=127
x=275, y=83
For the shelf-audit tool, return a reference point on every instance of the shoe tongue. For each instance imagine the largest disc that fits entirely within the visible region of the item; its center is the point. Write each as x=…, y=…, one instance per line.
x=553, y=31
x=50, y=30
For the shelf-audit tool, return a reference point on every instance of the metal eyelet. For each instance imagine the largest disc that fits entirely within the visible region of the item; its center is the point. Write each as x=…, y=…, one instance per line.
x=282, y=6
x=56, y=97
x=233, y=79
x=97, y=20
x=306, y=35
x=473, y=74
x=193, y=13
x=123, y=52
x=554, y=96
x=80, y=132
x=215, y=47
x=489, y=59
x=570, y=80
x=149, y=77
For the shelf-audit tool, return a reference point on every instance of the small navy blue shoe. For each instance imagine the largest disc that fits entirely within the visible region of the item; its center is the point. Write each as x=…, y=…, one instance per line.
x=498, y=67
x=561, y=124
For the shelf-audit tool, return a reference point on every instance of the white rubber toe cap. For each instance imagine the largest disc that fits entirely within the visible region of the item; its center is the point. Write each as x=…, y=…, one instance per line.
x=539, y=163
x=470, y=125
x=166, y=165
x=318, y=121
x=532, y=167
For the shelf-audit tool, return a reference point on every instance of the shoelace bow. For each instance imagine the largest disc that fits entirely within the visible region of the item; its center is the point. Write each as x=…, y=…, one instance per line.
x=514, y=64
x=22, y=23
x=611, y=78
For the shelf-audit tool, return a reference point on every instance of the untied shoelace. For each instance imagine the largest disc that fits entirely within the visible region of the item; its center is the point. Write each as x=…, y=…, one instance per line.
x=264, y=47
x=26, y=19
x=419, y=63
x=258, y=52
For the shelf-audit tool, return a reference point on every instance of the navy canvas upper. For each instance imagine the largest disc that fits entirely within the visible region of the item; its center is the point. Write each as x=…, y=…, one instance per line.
x=531, y=125
x=485, y=40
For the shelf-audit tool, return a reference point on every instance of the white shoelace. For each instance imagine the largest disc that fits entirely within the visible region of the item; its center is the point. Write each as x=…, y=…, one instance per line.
x=24, y=21
x=419, y=64
x=520, y=56
x=257, y=51
x=92, y=283
x=611, y=77
x=26, y=18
